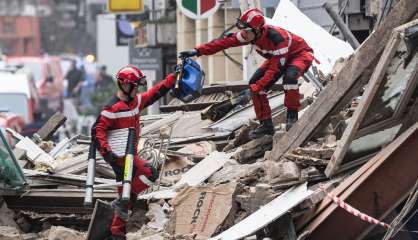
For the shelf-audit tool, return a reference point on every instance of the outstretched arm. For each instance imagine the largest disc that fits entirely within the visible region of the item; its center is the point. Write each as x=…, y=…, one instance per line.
x=216, y=45
x=155, y=93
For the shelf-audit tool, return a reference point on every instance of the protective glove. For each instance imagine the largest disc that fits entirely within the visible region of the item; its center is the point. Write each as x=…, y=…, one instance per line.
x=255, y=88
x=188, y=53
x=153, y=172
x=110, y=157
x=245, y=96
x=246, y=92
x=178, y=68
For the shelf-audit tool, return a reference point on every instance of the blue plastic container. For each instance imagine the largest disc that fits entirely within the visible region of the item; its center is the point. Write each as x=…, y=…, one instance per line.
x=190, y=85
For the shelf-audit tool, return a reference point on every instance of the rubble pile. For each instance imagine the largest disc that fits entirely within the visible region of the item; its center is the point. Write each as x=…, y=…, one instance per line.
x=217, y=183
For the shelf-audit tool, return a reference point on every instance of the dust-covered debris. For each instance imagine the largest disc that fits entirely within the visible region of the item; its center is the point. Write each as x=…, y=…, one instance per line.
x=9, y=233
x=62, y=233
x=211, y=191
x=254, y=149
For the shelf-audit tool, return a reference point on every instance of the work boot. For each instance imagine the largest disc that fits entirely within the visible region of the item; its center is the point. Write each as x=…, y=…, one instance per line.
x=292, y=117
x=266, y=128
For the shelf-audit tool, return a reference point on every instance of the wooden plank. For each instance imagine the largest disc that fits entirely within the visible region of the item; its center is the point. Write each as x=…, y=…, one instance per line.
x=101, y=219
x=61, y=146
x=195, y=176
x=49, y=128
x=73, y=179
x=69, y=163
x=412, y=114
x=19, y=153
x=64, y=193
x=155, y=126
x=343, y=103
x=361, y=110
x=307, y=217
x=393, y=68
x=266, y=214
x=363, y=58
x=376, y=193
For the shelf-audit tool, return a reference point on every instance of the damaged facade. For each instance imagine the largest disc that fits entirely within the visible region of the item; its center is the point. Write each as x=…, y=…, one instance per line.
x=356, y=140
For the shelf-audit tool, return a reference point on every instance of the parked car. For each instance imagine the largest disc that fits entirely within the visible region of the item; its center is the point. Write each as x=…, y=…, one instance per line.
x=48, y=77
x=19, y=102
x=18, y=94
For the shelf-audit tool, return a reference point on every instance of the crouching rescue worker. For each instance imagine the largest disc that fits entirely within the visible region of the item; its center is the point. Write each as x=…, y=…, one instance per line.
x=287, y=55
x=123, y=111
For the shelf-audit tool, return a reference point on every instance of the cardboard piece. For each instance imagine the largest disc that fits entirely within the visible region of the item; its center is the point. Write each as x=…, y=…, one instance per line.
x=200, y=148
x=201, y=210
x=175, y=168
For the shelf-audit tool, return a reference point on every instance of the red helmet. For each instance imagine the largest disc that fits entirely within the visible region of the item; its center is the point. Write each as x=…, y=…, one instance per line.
x=252, y=18
x=130, y=75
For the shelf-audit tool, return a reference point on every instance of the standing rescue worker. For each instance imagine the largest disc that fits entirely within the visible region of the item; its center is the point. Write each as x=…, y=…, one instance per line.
x=123, y=111
x=287, y=54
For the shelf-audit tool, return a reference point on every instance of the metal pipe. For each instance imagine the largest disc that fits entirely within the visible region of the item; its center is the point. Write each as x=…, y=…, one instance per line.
x=91, y=172
x=311, y=78
x=341, y=25
x=165, y=157
x=129, y=162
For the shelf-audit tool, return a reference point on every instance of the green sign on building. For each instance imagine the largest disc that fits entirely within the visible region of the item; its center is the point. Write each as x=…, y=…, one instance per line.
x=198, y=9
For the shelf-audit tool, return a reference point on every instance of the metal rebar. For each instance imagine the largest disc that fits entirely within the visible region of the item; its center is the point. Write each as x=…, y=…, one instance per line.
x=341, y=25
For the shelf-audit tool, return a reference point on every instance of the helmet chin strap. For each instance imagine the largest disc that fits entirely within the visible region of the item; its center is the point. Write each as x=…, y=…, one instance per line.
x=127, y=93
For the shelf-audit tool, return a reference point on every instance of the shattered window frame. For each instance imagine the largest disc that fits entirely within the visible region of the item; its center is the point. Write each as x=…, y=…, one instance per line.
x=402, y=104
x=396, y=119
x=11, y=175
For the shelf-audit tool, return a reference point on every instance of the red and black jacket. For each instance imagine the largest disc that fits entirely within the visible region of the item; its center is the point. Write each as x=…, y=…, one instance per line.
x=276, y=44
x=118, y=114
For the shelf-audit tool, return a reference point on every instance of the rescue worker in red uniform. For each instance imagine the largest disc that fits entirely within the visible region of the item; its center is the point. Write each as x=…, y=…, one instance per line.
x=123, y=111
x=287, y=55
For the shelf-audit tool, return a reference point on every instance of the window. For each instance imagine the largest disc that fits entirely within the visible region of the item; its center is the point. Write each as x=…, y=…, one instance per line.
x=8, y=25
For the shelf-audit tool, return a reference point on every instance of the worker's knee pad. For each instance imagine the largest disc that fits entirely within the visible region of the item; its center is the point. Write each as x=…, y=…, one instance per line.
x=291, y=76
x=290, y=79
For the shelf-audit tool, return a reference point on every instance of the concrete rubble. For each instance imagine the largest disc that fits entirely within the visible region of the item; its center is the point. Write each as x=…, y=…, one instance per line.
x=219, y=184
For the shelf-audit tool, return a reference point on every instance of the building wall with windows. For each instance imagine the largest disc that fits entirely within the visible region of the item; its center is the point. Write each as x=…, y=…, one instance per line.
x=20, y=35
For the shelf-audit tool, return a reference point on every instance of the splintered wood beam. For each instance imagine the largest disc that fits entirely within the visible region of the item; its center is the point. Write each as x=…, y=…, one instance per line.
x=375, y=189
x=363, y=58
x=361, y=110
x=382, y=72
x=49, y=128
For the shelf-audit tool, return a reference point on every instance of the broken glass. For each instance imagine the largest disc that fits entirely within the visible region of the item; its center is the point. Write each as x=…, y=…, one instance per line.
x=371, y=143
x=390, y=92
x=387, y=102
